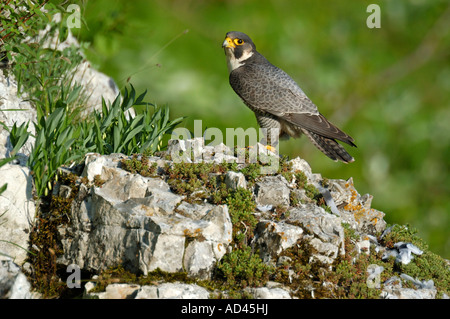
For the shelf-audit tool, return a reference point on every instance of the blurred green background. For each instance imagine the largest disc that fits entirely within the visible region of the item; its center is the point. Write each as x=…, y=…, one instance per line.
x=389, y=88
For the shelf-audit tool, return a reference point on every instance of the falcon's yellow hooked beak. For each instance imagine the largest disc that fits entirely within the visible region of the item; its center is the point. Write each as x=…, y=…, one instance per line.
x=228, y=43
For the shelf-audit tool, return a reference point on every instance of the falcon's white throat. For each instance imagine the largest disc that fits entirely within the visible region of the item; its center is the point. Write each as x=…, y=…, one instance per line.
x=234, y=63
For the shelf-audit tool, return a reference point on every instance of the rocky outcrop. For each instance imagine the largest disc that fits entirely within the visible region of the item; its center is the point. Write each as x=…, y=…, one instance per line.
x=139, y=222
x=123, y=219
x=134, y=221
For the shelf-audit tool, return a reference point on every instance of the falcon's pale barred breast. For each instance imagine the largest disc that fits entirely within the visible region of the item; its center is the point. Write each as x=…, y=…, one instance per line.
x=277, y=100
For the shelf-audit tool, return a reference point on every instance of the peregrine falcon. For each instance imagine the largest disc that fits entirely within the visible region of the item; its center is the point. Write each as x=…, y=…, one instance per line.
x=277, y=100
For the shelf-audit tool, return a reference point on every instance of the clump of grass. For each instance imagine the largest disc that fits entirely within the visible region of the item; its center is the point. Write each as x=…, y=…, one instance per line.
x=55, y=137
x=301, y=182
x=285, y=168
x=403, y=233
x=98, y=181
x=242, y=207
x=242, y=268
x=219, y=192
x=252, y=172
x=139, y=165
x=114, y=131
x=198, y=181
x=61, y=140
x=297, y=272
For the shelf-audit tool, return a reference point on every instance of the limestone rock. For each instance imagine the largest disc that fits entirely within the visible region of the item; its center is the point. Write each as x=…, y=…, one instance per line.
x=299, y=164
x=269, y=293
x=327, y=233
x=134, y=221
x=181, y=291
x=118, y=291
x=13, y=283
x=273, y=237
x=235, y=180
x=272, y=190
x=194, y=151
x=194, y=211
x=408, y=293
x=17, y=212
x=356, y=209
x=158, y=291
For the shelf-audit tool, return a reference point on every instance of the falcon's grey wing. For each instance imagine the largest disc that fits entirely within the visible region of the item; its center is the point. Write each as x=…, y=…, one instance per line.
x=266, y=88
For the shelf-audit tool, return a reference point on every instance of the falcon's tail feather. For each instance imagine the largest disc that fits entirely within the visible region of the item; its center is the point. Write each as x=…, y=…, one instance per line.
x=329, y=147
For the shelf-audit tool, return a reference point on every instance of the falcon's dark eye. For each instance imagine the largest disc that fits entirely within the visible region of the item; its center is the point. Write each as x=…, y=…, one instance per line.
x=238, y=41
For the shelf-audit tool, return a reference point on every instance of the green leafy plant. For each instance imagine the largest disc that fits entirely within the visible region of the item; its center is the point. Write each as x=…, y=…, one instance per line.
x=30, y=37
x=18, y=17
x=44, y=74
x=55, y=136
x=60, y=139
x=139, y=165
x=18, y=137
x=241, y=204
x=116, y=131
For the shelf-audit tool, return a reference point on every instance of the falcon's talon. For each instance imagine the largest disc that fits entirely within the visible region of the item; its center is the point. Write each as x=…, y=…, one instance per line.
x=277, y=100
x=271, y=149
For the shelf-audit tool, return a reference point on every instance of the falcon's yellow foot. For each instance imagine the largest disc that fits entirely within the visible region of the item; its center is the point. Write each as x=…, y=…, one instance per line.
x=271, y=149
x=267, y=147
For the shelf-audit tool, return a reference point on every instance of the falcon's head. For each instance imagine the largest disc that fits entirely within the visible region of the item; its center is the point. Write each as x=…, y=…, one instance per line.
x=238, y=48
